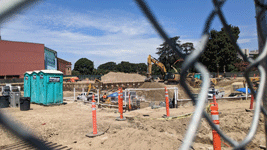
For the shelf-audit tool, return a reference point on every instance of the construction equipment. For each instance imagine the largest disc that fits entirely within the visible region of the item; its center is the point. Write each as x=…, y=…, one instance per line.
x=194, y=82
x=90, y=86
x=255, y=81
x=178, y=60
x=234, y=87
x=167, y=76
x=71, y=79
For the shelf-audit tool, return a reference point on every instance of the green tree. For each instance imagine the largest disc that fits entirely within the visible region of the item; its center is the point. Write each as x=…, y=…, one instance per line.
x=156, y=70
x=84, y=66
x=74, y=72
x=111, y=66
x=167, y=56
x=220, y=52
x=125, y=66
x=141, y=68
x=187, y=47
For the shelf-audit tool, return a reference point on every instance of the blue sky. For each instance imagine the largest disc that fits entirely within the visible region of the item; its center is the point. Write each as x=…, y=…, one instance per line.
x=116, y=30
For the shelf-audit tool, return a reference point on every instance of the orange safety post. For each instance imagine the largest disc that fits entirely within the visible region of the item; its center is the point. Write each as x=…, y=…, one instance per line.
x=94, y=133
x=94, y=115
x=130, y=107
x=251, y=102
x=215, y=118
x=167, y=103
x=120, y=103
x=254, y=74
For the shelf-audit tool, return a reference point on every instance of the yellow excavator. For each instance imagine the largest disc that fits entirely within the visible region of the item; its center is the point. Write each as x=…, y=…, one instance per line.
x=90, y=87
x=167, y=76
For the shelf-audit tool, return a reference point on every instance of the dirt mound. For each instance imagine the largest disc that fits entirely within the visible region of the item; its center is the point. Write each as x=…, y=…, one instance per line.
x=159, y=95
x=229, y=81
x=122, y=77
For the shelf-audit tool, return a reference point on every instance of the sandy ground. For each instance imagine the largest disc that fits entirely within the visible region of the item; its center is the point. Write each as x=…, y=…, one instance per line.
x=144, y=129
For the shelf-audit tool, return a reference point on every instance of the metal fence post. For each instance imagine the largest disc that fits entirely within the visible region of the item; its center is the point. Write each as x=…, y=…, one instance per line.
x=261, y=42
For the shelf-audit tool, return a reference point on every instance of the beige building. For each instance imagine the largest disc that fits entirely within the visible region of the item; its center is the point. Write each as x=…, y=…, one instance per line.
x=250, y=54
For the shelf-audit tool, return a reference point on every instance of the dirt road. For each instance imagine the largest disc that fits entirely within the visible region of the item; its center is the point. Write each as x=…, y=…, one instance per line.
x=68, y=124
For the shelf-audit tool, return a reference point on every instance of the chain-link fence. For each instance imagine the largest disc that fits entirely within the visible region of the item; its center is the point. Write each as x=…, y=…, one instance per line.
x=190, y=60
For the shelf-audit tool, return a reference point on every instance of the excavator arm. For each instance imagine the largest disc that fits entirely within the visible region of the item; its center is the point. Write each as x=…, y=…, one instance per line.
x=89, y=88
x=151, y=60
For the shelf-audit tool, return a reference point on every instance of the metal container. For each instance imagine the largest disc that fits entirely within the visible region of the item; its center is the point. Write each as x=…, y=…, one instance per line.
x=6, y=91
x=4, y=101
x=14, y=99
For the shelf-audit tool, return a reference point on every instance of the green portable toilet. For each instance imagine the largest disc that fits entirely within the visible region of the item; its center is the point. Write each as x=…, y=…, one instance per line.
x=35, y=87
x=27, y=84
x=42, y=89
x=51, y=87
x=197, y=75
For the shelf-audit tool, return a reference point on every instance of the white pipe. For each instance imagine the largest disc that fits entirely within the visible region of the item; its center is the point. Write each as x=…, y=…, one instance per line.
x=148, y=89
x=110, y=105
x=175, y=97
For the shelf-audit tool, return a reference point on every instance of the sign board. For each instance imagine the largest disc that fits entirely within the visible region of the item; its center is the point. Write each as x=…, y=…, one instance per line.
x=41, y=76
x=26, y=78
x=34, y=76
x=54, y=79
x=50, y=60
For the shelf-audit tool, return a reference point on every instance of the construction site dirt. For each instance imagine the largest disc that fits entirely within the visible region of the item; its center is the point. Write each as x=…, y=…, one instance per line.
x=144, y=128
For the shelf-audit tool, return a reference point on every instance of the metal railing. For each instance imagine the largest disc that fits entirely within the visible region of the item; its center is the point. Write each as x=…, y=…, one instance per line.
x=190, y=60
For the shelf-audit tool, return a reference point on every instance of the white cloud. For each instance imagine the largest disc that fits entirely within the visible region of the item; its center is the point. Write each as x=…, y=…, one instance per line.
x=242, y=41
x=123, y=39
x=100, y=37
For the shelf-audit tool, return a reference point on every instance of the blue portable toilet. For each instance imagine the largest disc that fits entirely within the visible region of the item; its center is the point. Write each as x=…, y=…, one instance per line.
x=198, y=75
x=35, y=87
x=27, y=84
x=51, y=87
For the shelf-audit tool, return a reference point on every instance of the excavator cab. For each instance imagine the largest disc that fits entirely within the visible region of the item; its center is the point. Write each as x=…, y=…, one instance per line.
x=169, y=76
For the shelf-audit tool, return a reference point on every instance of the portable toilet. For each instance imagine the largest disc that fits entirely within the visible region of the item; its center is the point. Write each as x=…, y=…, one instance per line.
x=51, y=87
x=198, y=75
x=35, y=87
x=27, y=84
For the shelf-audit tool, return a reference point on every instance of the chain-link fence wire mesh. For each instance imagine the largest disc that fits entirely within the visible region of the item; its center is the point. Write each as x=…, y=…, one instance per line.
x=190, y=61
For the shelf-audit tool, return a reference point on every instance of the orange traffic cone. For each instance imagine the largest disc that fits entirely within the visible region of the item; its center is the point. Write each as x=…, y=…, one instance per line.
x=215, y=118
x=94, y=133
x=120, y=103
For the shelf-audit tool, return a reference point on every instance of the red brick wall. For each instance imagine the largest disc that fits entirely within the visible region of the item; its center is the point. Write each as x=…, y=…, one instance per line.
x=63, y=66
x=18, y=57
